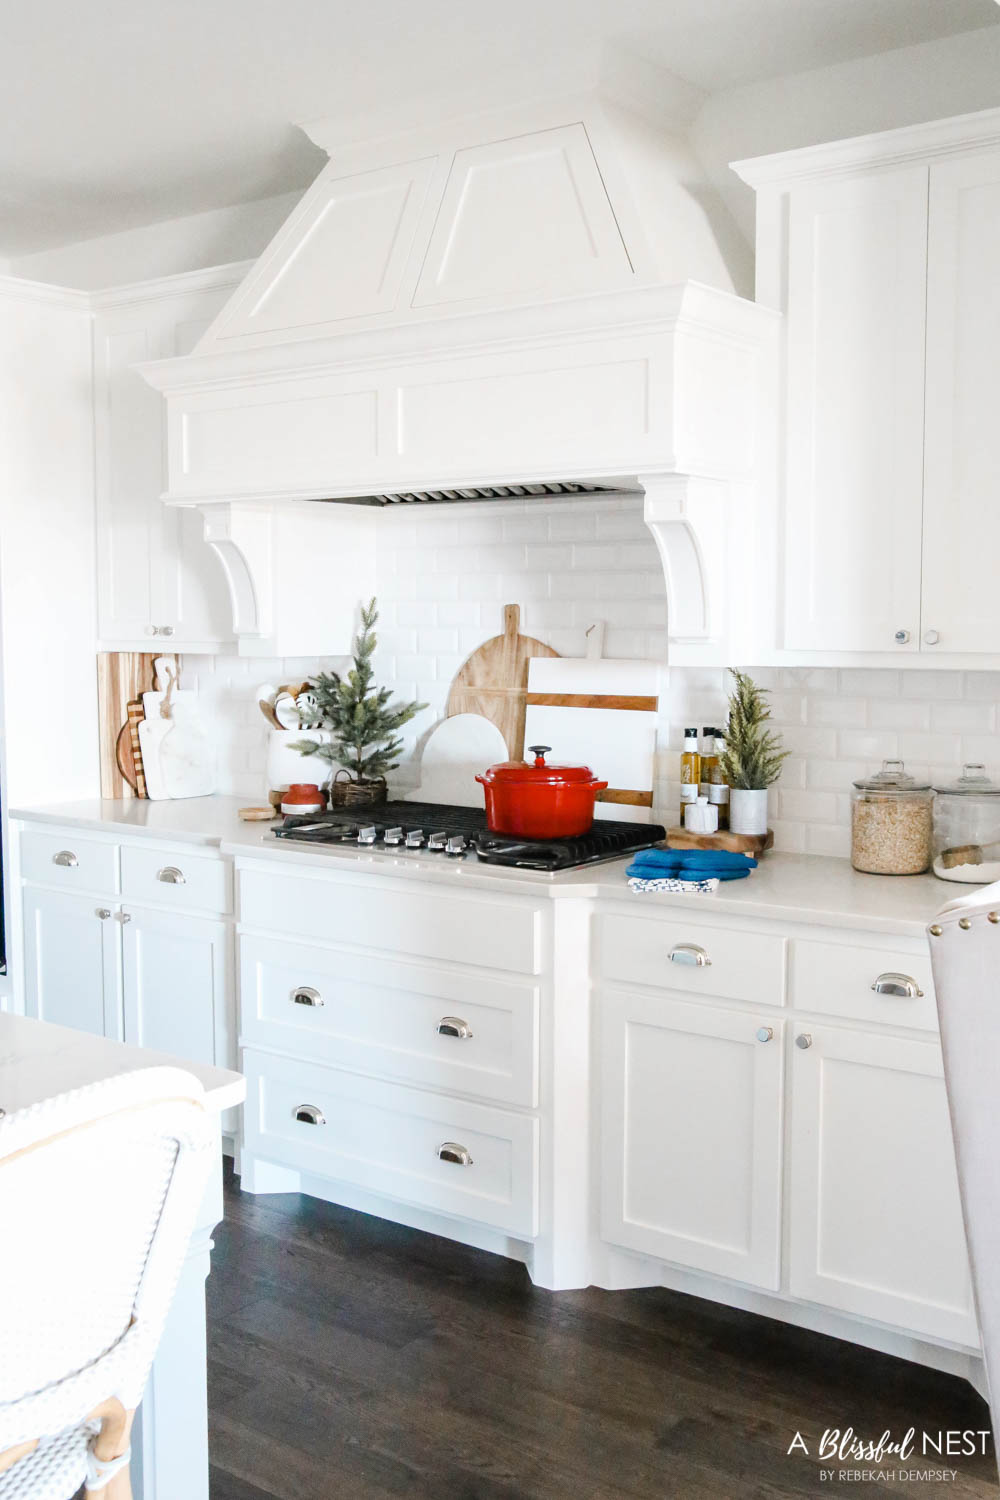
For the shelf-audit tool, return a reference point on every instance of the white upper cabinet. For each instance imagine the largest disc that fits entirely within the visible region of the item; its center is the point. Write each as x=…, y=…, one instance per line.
x=961, y=600
x=157, y=576
x=882, y=252
x=856, y=286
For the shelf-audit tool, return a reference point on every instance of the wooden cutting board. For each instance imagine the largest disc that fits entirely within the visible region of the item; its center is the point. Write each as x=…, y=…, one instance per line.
x=122, y=677
x=494, y=680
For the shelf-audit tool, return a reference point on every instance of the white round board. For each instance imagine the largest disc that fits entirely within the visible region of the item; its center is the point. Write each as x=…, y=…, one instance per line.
x=457, y=750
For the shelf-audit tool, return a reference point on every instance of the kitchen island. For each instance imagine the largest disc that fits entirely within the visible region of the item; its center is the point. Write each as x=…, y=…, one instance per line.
x=170, y=1435
x=738, y=1095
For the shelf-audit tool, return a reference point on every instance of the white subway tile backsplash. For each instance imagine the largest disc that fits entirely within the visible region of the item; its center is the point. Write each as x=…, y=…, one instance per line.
x=444, y=576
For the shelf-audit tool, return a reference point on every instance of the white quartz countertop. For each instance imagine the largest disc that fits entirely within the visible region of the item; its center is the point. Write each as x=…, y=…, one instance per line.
x=784, y=887
x=39, y=1061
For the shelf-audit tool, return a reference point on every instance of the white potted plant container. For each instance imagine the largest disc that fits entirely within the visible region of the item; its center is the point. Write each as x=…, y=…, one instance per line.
x=752, y=759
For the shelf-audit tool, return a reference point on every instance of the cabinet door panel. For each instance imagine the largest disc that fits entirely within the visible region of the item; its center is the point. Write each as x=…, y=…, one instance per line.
x=876, y=1222
x=961, y=602
x=852, y=502
x=177, y=989
x=691, y=1135
x=72, y=972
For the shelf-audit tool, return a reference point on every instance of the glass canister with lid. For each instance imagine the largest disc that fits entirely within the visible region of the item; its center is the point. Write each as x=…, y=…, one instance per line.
x=967, y=828
x=891, y=822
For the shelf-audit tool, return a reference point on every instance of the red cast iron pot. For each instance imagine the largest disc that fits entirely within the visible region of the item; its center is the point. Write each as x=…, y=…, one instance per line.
x=537, y=801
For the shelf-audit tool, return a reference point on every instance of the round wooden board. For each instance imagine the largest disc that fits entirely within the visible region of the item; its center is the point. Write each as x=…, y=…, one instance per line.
x=493, y=681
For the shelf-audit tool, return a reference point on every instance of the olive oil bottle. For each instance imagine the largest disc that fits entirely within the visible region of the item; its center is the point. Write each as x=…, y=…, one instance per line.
x=690, y=770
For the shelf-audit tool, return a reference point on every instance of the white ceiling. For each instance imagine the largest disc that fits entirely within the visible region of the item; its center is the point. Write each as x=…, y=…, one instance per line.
x=126, y=112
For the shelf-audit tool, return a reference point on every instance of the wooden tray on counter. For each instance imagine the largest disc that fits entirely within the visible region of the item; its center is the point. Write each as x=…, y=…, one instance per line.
x=736, y=843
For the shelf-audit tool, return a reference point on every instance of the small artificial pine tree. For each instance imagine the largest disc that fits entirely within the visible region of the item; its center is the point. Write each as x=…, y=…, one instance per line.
x=753, y=754
x=364, y=723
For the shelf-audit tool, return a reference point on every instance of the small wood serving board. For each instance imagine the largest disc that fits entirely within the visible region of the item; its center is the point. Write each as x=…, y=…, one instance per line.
x=737, y=843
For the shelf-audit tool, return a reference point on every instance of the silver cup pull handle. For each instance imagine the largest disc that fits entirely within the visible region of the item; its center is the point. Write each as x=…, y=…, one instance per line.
x=689, y=953
x=309, y=1114
x=451, y=1151
x=898, y=984
x=170, y=875
x=304, y=994
x=66, y=857
x=454, y=1026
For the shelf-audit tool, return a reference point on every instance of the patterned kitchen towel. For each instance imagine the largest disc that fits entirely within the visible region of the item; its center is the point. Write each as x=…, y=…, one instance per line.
x=682, y=887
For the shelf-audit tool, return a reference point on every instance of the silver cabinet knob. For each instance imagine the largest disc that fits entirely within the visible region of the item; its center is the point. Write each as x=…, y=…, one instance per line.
x=170, y=875
x=454, y=1026
x=103, y=912
x=67, y=858
x=765, y=1033
x=304, y=994
x=451, y=1151
x=309, y=1114
x=803, y=1040
x=166, y=630
x=931, y=637
x=897, y=984
x=124, y=916
x=689, y=953
x=902, y=637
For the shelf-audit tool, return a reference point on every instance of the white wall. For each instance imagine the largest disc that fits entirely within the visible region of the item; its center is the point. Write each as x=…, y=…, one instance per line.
x=166, y=249
x=47, y=549
x=930, y=81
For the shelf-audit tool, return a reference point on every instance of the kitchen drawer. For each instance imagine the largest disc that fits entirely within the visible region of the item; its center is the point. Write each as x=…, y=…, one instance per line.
x=735, y=965
x=186, y=882
x=836, y=980
x=380, y=1016
x=487, y=931
x=70, y=861
x=386, y=1138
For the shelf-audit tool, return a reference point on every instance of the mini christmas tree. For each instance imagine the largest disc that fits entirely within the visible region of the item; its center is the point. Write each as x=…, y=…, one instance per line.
x=365, y=724
x=753, y=755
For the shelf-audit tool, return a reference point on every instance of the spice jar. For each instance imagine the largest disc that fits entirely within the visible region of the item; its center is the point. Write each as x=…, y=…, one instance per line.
x=967, y=828
x=891, y=822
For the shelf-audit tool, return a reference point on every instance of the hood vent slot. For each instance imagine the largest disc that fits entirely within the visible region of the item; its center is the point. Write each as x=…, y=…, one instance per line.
x=484, y=492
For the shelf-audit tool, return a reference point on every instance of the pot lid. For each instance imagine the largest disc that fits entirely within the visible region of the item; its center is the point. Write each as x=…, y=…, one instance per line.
x=538, y=771
x=893, y=778
x=973, y=780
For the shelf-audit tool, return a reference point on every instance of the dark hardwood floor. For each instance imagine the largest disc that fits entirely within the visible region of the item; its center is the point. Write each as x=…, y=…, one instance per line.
x=352, y=1359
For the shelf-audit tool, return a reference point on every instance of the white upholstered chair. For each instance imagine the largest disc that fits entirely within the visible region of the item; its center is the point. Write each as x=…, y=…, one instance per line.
x=965, y=955
x=99, y=1189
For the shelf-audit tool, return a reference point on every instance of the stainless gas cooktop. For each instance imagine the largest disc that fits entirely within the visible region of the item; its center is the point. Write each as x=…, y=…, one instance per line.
x=461, y=833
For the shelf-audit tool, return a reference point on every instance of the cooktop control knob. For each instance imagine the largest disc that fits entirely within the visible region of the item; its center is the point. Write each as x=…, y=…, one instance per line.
x=455, y=845
x=368, y=834
x=437, y=842
x=415, y=838
x=393, y=836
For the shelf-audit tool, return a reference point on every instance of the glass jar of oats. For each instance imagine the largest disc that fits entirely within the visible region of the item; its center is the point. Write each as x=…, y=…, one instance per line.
x=891, y=822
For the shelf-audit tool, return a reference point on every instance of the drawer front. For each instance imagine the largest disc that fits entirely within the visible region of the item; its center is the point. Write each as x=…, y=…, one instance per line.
x=69, y=861
x=386, y=1138
x=438, y=1028
x=837, y=980
x=185, y=882
x=665, y=952
x=496, y=934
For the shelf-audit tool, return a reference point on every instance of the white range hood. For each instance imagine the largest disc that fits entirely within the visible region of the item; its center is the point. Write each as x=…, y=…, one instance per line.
x=510, y=300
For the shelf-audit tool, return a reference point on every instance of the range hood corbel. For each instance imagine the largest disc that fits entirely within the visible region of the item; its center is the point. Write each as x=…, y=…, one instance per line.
x=686, y=516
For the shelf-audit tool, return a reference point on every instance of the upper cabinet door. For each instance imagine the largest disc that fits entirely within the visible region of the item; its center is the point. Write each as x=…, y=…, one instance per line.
x=157, y=576
x=961, y=603
x=857, y=258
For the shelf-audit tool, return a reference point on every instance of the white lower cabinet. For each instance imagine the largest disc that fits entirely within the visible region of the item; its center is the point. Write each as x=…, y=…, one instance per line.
x=72, y=961
x=178, y=991
x=875, y=1219
x=691, y=1104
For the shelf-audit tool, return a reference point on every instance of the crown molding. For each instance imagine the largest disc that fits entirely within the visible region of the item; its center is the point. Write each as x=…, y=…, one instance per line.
x=183, y=283
x=886, y=148
x=19, y=290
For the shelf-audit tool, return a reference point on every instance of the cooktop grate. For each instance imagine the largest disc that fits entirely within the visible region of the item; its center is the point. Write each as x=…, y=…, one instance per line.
x=462, y=831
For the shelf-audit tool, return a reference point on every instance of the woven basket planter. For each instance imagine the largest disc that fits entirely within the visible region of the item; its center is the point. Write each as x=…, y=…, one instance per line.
x=347, y=793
